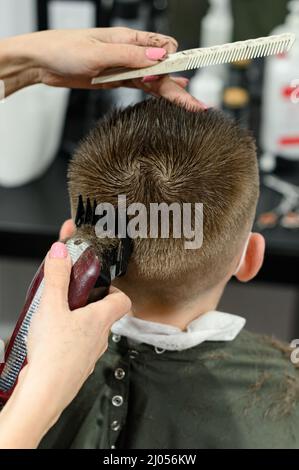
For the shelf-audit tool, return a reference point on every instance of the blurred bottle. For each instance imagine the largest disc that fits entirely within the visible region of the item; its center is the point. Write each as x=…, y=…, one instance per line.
x=71, y=14
x=216, y=28
x=236, y=104
x=17, y=17
x=32, y=120
x=280, y=114
x=207, y=87
x=130, y=14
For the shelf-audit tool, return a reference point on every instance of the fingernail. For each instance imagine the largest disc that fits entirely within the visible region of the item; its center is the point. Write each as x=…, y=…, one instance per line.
x=58, y=251
x=150, y=78
x=202, y=105
x=155, y=53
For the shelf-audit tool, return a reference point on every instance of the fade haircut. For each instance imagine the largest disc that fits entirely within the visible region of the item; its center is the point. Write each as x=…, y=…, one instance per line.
x=157, y=151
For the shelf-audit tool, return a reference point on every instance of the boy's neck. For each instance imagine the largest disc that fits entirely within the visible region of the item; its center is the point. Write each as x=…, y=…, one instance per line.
x=180, y=315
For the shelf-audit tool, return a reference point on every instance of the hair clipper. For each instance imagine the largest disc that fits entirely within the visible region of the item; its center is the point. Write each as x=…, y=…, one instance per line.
x=90, y=280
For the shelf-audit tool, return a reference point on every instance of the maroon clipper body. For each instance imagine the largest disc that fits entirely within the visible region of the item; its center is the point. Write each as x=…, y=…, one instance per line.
x=85, y=274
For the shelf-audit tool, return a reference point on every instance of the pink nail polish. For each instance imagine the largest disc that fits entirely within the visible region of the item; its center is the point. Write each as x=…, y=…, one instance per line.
x=150, y=78
x=202, y=105
x=156, y=53
x=58, y=251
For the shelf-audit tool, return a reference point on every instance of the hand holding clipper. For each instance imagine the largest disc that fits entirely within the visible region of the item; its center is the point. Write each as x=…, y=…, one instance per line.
x=89, y=274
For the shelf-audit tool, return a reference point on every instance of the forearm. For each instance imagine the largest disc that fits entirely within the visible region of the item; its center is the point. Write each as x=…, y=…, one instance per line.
x=28, y=415
x=17, y=65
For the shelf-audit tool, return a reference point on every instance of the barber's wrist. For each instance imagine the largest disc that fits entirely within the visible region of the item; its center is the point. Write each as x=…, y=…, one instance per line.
x=18, y=66
x=28, y=415
x=34, y=390
x=35, y=382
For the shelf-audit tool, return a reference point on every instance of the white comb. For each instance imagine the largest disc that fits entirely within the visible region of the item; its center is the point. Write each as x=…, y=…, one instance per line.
x=202, y=57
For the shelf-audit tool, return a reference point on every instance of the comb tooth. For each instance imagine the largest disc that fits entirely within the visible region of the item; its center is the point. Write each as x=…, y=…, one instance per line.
x=254, y=52
x=215, y=55
x=192, y=63
x=217, y=58
x=88, y=213
x=226, y=58
x=288, y=43
x=230, y=55
x=204, y=59
x=242, y=53
x=272, y=48
x=280, y=47
x=259, y=50
x=237, y=54
x=223, y=56
x=233, y=51
x=207, y=60
x=201, y=60
x=80, y=212
x=249, y=52
x=265, y=49
x=269, y=48
x=262, y=50
x=198, y=61
x=285, y=44
x=209, y=57
x=189, y=65
x=277, y=48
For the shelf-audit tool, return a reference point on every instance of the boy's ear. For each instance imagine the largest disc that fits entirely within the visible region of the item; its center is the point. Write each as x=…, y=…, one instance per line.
x=254, y=258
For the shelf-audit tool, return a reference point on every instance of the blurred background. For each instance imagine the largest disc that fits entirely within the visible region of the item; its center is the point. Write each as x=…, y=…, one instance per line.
x=40, y=127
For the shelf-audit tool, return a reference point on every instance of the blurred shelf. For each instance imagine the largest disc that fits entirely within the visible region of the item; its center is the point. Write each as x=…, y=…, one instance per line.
x=31, y=215
x=282, y=245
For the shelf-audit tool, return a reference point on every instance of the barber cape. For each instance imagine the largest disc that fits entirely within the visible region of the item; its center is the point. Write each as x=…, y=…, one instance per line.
x=212, y=386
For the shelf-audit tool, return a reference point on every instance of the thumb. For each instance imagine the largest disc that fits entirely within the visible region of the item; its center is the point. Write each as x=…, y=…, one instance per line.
x=57, y=273
x=111, y=308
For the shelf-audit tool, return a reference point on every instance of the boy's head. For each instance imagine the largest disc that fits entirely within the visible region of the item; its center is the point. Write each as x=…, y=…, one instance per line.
x=159, y=152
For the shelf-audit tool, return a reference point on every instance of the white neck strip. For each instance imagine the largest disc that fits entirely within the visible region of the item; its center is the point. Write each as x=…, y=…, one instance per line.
x=211, y=326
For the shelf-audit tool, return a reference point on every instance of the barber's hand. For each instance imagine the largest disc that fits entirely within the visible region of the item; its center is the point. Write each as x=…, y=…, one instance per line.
x=71, y=58
x=64, y=346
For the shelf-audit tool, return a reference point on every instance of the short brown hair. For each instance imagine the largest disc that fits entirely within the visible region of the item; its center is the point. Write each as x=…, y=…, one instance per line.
x=157, y=151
